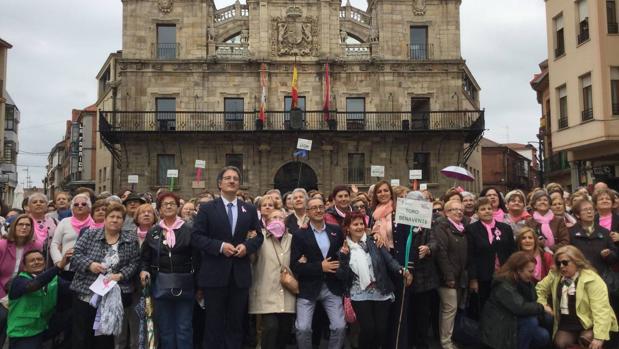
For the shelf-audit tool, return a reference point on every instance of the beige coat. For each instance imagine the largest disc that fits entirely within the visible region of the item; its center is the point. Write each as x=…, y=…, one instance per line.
x=267, y=295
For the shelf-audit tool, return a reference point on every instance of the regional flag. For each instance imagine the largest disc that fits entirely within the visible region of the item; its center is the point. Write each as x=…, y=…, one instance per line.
x=295, y=91
x=263, y=96
x=326, y=106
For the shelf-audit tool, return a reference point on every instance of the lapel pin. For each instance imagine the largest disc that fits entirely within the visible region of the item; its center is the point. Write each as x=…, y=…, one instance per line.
x=243, y=209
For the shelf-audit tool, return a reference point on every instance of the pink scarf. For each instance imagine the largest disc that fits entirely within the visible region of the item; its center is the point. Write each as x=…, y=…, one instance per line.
x=142, y=233
x=537, y=272
x=458, y=226
x=97, y=225
x=498, y=215
x=523, y=216
x=382, y=222
x=496, y=235
x=79, y=225
x=545, y=222
x=605, y=221
x=170, y=236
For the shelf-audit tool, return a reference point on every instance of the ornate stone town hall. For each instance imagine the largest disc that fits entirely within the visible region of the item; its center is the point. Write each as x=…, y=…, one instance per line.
x=385, y=86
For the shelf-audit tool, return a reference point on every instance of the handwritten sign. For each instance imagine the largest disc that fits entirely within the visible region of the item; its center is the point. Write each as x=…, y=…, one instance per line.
x=415, y=174
x=200, y=164
x=172, y=173
x=414, y=212
x=423, y=186
x=377, y=171
x=133, y=179
x=305, y=144
x=395, y=182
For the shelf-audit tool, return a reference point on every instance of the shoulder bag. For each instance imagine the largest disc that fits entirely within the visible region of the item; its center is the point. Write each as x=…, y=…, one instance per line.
x=286, y=278
x=171, y=286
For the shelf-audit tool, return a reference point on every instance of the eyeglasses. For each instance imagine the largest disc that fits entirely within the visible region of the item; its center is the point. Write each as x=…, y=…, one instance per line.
x=231, y=178
x=588, y=209
x=436, y=210
x=169, y=204
x=358, y=207
x=25, y=225
x=563, y=263
x=317, y=208
x=456, y=210
x=80, y=204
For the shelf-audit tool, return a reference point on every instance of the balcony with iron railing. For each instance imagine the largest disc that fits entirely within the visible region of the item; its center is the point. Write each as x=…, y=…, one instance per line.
x=587, y=114
x=615, y=108
x=613, y=28
x=220, y=121
x=421, y=52
x=563, y=122
x=167, y=50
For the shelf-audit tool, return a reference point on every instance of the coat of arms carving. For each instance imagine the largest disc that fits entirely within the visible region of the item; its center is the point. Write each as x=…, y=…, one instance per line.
x=294, y=35
x=165, y=6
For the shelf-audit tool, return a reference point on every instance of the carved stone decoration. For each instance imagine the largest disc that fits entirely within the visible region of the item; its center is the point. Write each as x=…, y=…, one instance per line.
x=244, y=36
x=373, y=37
x=294, y=35
x=343, y=36
x=211, y=33
x=165, y=6
x=419, y=7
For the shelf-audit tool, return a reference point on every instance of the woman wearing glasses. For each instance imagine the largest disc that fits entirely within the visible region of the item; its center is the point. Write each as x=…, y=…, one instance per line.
x=359, y=204
x=579, y=298
x=69, y=230
x=18, y=242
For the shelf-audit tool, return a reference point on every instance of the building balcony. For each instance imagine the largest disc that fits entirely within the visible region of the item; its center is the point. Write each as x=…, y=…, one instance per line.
x=613, y=28
x=114, y=124
x=563, y=122
x=615, y=108
x=421, y=52
x=228, y=50
x=357, y=51
x=583, y=36
x=556, y=162
x=587, y=114
x=167, y=50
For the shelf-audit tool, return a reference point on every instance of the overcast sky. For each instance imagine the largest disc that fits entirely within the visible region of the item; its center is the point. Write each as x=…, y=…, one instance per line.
x=59, y=46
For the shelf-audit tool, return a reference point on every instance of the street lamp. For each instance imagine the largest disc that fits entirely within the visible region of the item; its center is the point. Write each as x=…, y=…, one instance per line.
x=540, y=156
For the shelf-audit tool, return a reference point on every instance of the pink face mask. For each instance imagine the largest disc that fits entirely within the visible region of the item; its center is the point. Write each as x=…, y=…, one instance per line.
x=277, y=228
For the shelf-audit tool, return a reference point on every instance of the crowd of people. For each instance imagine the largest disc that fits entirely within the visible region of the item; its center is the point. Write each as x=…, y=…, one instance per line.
x=226, y=270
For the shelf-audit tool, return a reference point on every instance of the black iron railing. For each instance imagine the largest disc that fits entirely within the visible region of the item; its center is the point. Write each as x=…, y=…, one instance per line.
x=613, y=28
x=615, y=108
x=420, y=52
x=202, y=121
x=167, y=51
x=587, y=114
x=562, y=122
x=583, y=36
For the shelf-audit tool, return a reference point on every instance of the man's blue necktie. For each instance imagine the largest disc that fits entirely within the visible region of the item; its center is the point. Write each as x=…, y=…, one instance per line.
x=230, y=217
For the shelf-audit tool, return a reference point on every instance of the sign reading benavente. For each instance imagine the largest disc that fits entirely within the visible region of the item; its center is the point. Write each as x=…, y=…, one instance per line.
x=414, y=212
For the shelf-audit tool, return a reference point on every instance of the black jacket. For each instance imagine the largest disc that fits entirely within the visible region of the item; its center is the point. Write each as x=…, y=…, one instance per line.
x=179, y=259
x=481, y=255
x=508, y=301
x=382, y=264
x=310, y=274
x=614, y=223
x=592, y=245
x=425, y=276
x=452, y=254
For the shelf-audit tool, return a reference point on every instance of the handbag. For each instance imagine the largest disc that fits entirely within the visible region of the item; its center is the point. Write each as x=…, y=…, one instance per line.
x=349, y=311
x=172, y=286
x=286, y=278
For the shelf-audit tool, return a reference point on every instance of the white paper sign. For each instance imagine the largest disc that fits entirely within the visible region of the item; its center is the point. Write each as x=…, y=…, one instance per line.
x=132, y=179
x=414, y=212
x=102, y=285
x=395, y=182
x=377, y=171
x=423, y=186
x=305, y=144
x=200, y=164
x=414, y=174
x=172, y=173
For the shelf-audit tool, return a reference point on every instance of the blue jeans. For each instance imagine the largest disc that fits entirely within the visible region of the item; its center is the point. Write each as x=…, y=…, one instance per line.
x=531, y=334
x=174, y=323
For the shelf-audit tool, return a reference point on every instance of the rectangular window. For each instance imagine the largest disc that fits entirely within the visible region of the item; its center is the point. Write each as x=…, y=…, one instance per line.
x=166, y=41
x=104, y=174
x=611, y=16
x=420, y=113
x=166, y=113
x=356, y=168
x=614, y=89
x=165, y=162
x=587, y=97
x=355, y=113
x=298, y=120
x=234, y=113
x=562, y=94
x=583, y=21
x=419, y=42
x=9, y=119
x=235, y=160
x=559, y=36
x=421, y=161
x=9, y=152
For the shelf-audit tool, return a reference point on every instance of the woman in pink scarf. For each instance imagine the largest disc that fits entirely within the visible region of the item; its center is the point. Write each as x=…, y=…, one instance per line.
x=145, y=217
x=167, y=249
x=341, y=205
x=527, y=241
x=551, y=230
x=605, y=217
x=516, y=215
x=69, y=229
x=383, y=213
x=496, y=200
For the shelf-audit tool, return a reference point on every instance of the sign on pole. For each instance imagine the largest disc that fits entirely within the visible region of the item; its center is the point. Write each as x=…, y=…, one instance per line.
x=395, y=182
x=304, y=144
x=423, y=186
x=133, y=179
x=172, y=174
x=414, y=213
x=377, y=171
x=200, y=164
x=415, y=174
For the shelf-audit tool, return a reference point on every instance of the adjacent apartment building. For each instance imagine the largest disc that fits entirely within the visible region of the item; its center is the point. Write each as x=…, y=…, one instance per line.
x=509, y=166
x=385, y=86
x=9, y=119
x=583, y=82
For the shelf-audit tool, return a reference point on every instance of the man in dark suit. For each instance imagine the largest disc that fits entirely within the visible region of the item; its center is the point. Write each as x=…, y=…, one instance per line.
x=314, y=260
x=221, y=235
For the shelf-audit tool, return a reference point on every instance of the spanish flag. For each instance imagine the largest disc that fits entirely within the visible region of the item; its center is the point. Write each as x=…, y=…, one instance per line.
x=295, y=91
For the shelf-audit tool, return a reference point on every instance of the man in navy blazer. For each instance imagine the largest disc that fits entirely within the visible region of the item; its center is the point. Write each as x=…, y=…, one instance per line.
x=314, y=260
x=220, y=233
